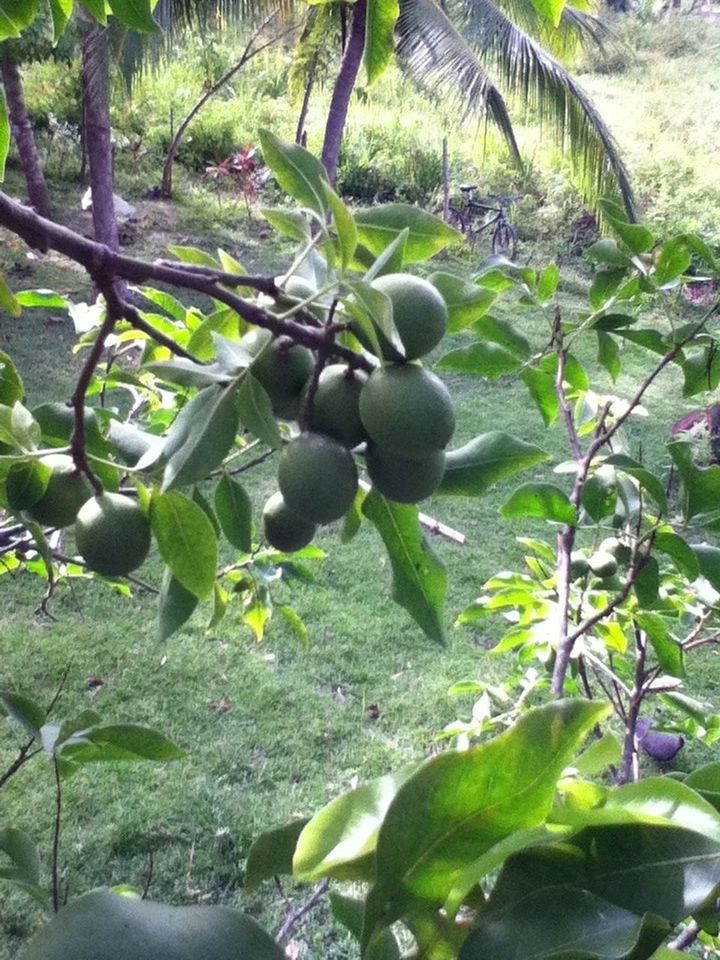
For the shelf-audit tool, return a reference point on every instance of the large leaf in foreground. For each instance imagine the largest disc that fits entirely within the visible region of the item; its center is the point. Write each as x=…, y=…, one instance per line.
x=474, y=468
x=459, y=805
x=379, y=226
x=419, y=577
x=186, y=540
x=299, y=173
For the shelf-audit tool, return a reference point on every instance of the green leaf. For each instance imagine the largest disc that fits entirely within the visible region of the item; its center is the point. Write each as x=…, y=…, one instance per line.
x=97, y=9
x=609, y=354
x=676, y=802
x=466, y=302
x=15, y=16
x=8, y=301
x=647, y=583
x=550, y=277
x=679, y=551
x=637, y=238
x=599, y=495
x=379, y=36
x=667, y=650
x=419, y=577
x=540, y=381
x=599, y=755
x=5, y=135
x=194, y=256
x=605, y=285
x=186, y=541
x=18, y=846
x=350, y=911
x=187, y=373
x=550, y=10
x=379, y=226
x=702, y=485
x=271, y=854
x=107, y=923
x=169, y=304
x=706, y=781
x=353, y=518
x=256, y=413
x=42, y=299
x=176, y=605
x=672, y=261
x=701, y=370
x=234, y=512
x=647, y=480
x=120, y=742
x=544, y=501
x=340, y=839
x=30, y=715
x=473, y=469
x=25, y=483
x=61, y=11
x=135, y=14
x=708, y=559
x=294, y=621
x=288, y=223
x=299, y=173
x=390, y=260
x=608, y=254
x=344, y=226
x=488, y=360
x=460, y=804
x=370, y=307
x=201, y=436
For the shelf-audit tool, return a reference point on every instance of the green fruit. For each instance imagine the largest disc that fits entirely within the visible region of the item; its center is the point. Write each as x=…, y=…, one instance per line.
x=317, y=477
x=112, y=534
x=603, y=564
x=405, y=481
x=284, y=529
x=104, y=925
x=407, y=410
x=579, y=565
x=66, y=492
x=281, y=367
x=336, y=405
x=621, y=552
x=419, y=312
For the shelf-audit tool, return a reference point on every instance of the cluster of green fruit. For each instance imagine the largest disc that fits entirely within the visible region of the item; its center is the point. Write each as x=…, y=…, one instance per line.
x=401, y=417
x=602, y=563
x=112, y=532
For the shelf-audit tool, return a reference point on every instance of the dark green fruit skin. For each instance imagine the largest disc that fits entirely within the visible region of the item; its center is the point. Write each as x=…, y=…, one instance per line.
x=66, y=492
x=102, y=925
x=603, y=564
x=317, y=478
x=579, y=565
x=407, y=410
x=281, y=368
x=401, y=480
x=112, y=534
x=285, y=530
x=336, y=405
x=419, y=312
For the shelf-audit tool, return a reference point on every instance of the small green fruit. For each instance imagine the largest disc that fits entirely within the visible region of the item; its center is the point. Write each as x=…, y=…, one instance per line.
x=66, y=492
x=317, y=478
x=621, y=552
x=603, y=564
x=579, y=565
x=402, y=480
x=419, y=312
x=336, y=405
x=407, y=410
x=112, y=534
x=281, y=367
x=284, y=529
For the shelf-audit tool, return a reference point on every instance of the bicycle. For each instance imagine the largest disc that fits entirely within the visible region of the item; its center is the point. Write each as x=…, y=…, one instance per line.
x=467, y=214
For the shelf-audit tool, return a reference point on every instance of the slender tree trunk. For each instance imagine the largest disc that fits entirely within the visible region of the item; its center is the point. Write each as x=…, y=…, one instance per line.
x=349, y=68
x=305, y=106
x=445, y=180
x=96, y=89
x=23, y=133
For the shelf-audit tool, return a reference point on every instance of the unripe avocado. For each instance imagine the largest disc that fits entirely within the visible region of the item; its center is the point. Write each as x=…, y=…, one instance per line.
x=112, y=534
x=317, y=478
x=419, y=313
x=579, y=565
x=281, y=367
x=104, y=925
x=66, y=492
x=402, y=480
x=407, y=410
x=284, y=529
x=621, y=552
x=603, y=564
x=336, y=405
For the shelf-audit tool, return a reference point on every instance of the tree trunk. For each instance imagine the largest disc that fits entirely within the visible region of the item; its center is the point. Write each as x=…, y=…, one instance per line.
x=305, y=106
x=96, y=90
x=23, y=134
x=349, y=68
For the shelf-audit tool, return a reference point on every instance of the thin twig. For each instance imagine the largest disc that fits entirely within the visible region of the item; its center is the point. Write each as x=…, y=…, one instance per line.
x=26, y=753
x=56, y=837
x=685, y=939
x=292, y=920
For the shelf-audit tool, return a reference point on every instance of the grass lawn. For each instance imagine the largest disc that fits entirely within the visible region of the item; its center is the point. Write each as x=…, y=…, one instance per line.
x=270, y=729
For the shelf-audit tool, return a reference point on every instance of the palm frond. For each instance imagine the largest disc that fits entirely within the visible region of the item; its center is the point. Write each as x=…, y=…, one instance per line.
x=218, y=15
x=434, y=54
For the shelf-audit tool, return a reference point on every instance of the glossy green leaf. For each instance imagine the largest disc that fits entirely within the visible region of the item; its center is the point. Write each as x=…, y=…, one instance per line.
x=271, y=854
x=186, y=541
x=419, y=577
x=194, y=256
x=705, y=781
x=24, y=859
x=708, y=558
x=187, y=373
x=176, y=605
x=113, y=743
x=8, y=301
x=288, y=223
x=298, y=172
x=256, y=413
x=647, y=480
x=379, y=226
x=550, y=276
x=353, y=518
x=701, y=370
x=61, y=11
x=609, y=354
x=25, y=483
x=667, y=650
x=466, y=301
x=201, y=500
x=637, y=238
x=135, y=14
x=234, y=512
x=471, y=470
x=350, y=911
x=111, y=925
x=607, y=253
x=599, y=495
x=662, y=797
x=23, y=710
x=679, y=551
x=481, y=359
x=42, y=299
x=598, y=756
x=389, y=261
x=460, y=804
x=201, y=436
x=381, y=18
x=604, y=286
x=543, y=501
x=344, y=226
x=672, y=261
x=647, y=583
x=340, y=839
x=375, y=309
x=15, y=16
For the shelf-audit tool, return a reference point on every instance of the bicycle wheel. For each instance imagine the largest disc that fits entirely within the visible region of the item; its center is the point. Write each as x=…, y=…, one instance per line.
x=504, y=241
